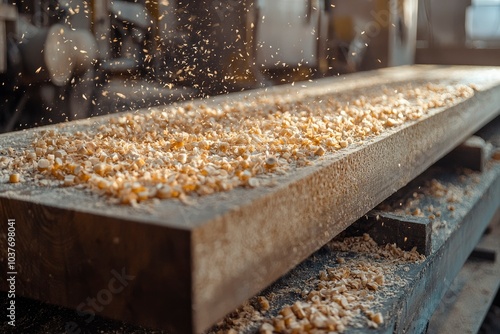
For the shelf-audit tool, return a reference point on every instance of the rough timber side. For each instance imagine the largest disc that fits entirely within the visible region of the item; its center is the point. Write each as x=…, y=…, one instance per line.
x=412, y=291
x=194, y=264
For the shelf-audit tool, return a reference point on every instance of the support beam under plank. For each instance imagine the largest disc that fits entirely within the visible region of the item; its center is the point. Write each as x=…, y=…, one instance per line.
x=471, y=293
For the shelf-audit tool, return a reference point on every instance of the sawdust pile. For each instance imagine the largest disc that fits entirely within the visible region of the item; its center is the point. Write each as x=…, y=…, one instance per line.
x=348, y=293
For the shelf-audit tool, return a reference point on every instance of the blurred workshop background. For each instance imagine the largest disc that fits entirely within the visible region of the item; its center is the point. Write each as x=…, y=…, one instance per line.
x=68, y=59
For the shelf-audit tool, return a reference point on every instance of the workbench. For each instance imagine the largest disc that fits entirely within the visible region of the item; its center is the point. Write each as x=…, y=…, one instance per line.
x=190, y=265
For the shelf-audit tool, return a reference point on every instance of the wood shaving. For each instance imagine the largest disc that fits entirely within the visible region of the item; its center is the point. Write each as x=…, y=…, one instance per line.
x=343, y=293
x=445, y=196
x=242, y=319
x=199, y=150
x=347, y=294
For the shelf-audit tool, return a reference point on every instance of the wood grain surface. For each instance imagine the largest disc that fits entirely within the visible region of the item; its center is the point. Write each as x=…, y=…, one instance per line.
x=187, y=266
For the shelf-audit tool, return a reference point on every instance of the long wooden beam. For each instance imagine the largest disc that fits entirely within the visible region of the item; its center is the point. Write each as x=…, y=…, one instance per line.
x=184, y=267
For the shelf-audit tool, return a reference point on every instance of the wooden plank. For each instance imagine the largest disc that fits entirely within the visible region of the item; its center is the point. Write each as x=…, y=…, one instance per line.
x=402, y=307
x=474, y=153
x=472, y=292
x=387, y=228
x=450, y=251
x=194, y=264
x=407, y=308
x=54, y=319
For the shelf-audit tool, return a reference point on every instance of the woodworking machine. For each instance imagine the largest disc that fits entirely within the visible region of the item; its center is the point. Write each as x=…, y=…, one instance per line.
x=183, y=268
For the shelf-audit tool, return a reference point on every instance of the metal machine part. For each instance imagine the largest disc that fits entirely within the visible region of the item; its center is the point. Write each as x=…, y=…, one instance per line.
x=458, y=32
x=8, y=17
x=130, y=26
x=330, y=37
x=482, y=24
x=291, y=33
x=220, y=53
x=56, y=53
x=375, y=34
x=442, y=23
